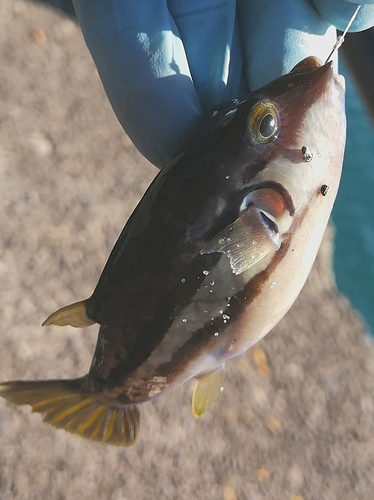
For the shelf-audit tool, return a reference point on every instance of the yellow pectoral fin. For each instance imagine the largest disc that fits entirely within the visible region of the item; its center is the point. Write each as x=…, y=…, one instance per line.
x=73, y=315
x=65, y=406
x=207, y=391
x=245, y=242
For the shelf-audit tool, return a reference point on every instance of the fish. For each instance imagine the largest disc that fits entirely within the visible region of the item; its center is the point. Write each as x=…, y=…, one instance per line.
x=212, y=257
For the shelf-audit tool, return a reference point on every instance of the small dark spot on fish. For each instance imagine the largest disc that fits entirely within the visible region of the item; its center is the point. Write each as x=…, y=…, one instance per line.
x=324, y=189
x=307, y=154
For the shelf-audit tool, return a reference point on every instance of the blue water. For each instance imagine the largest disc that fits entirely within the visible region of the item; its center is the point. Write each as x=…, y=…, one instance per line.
x=353, y=214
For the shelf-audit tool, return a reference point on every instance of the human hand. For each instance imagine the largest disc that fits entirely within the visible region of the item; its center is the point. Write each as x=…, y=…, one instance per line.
x=165, y=63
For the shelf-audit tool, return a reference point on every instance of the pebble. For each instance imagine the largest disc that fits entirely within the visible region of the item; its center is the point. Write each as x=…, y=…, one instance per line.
x=296, y=477
x=118, y=495
x=259, y=356
x=40, y=144
x=261, y=362
x=263, y=370
x=259, y=396
x=68, y=27
x=295, y=371
x=273, y=424
x=61, y=235
x=229, y=493
x=38, y=36
x=262, y=475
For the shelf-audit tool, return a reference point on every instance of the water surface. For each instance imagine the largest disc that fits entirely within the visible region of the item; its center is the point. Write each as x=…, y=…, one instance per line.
x=353, y=214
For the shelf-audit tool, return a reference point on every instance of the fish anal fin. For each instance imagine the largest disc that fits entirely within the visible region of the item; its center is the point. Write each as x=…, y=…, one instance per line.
x=64, y=405
x=245, y=242
x=207, y=391
x=73, y=315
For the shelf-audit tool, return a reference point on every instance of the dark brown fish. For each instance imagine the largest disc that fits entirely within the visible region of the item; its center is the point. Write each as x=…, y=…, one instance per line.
x=211, y=259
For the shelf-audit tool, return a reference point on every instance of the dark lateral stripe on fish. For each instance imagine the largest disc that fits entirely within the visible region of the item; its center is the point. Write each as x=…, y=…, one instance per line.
x=252, y=170
x=146, y=340
x=200, y=337
x=151, y=333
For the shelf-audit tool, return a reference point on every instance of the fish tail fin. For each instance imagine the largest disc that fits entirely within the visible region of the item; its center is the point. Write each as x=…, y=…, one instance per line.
x=73, y=315
x=65, y=405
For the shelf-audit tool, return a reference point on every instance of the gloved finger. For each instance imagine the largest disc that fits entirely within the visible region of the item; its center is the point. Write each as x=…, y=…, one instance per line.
x=339, y=12
x=211, y=40
x=278, y=35
x=142, y=63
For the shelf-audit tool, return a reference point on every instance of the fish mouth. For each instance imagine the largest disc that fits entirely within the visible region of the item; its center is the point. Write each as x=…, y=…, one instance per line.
x=302, y=86
x=321, y=74
x=320, y=78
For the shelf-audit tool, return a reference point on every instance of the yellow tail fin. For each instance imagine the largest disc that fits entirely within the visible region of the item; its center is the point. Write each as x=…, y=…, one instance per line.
x=66, y=406
x=73, y=315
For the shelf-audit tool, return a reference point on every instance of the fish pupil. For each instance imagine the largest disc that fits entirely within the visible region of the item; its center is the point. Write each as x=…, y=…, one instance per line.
x=267, y=126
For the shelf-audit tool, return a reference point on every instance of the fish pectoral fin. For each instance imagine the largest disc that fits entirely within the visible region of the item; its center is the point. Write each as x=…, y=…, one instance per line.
x=207, y=391
x=246, y=241
x=73, y=315
x=65, y=406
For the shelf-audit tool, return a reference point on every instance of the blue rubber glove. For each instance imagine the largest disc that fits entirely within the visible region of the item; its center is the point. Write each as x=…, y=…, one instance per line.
x=164, y=63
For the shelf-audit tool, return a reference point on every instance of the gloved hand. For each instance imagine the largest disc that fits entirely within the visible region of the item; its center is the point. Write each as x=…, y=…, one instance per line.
x=164, y=63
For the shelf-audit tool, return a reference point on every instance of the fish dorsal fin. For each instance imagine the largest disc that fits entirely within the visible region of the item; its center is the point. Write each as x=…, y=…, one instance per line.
x=246, y=241
x=207, y=391
x=72, y=315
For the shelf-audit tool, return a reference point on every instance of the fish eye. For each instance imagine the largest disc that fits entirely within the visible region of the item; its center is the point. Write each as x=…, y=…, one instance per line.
x=263, y=123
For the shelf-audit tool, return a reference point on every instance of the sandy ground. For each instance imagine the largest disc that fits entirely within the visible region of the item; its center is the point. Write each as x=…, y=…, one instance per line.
x=69, y=180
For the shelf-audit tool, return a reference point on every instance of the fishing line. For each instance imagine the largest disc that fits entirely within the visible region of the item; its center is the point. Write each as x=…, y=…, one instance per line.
x=340, y=39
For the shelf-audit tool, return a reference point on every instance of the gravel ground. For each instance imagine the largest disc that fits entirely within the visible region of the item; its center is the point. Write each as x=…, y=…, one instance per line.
x=297, y=426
